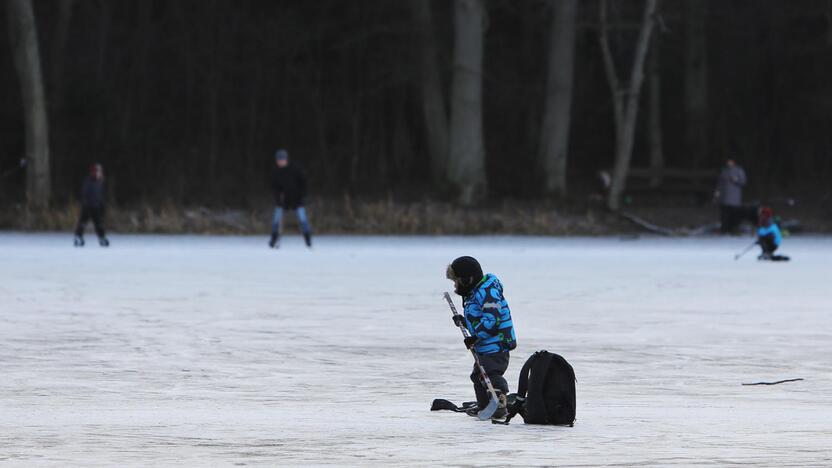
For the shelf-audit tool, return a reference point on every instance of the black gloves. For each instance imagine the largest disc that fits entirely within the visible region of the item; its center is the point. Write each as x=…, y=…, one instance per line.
x=470, y=341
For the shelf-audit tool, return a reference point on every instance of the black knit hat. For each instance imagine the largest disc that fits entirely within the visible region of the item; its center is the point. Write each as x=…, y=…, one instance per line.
x=466, y=273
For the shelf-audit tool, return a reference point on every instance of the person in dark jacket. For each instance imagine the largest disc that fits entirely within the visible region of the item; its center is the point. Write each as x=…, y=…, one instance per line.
x=488, y=319
x=289, y=189
x=92, y=206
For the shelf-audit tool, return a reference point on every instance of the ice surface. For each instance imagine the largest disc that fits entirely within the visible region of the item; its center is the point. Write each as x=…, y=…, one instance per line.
x=172, y=350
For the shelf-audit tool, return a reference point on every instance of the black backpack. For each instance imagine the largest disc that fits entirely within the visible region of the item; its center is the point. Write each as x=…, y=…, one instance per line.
x=546, y=391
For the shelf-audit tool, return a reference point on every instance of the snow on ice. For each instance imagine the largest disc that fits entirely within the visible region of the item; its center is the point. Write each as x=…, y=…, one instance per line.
x=200, y=350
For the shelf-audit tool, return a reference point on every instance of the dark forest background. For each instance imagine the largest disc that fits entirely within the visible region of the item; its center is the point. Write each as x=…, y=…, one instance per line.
x=186, y=101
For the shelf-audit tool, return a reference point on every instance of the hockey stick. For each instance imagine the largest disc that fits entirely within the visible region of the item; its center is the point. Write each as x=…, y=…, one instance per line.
x=737, y=256
x=489, y=410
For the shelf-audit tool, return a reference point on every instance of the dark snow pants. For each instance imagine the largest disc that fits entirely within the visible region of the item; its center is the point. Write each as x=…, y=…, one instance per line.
x=767, y=244
x=495, y=366
x=94, y=213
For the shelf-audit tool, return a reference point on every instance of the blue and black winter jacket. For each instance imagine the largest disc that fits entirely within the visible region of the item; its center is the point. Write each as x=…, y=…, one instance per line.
x=772, y=231
x=489, y=317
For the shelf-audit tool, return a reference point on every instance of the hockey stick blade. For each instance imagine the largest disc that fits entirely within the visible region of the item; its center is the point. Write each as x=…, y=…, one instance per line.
x=488, y=411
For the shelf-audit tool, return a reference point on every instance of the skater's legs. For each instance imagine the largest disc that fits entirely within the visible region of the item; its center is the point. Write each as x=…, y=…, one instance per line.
x=97, y=215
x=303, y=220
x=82, y=221
x=278, y=216
x=304, y=226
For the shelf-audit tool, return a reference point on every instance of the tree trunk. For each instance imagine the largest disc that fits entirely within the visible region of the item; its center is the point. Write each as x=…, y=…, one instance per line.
x=466, y=169
x=554, y=134
x=655, y=102
x=24, y=42
x=214, y=83
x=696, y=81
x=55, y=92
x=58, y=46
x=104, y=84
x=253, y=131
x=434, y=107
x=137, y=77
x=625, y=100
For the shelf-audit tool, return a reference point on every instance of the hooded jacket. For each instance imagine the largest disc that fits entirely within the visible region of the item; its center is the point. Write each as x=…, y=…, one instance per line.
x=489, y=318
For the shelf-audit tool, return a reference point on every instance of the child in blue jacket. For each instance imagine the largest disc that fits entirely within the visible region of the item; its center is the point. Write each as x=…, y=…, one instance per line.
x=488, y=319
x=769, y=236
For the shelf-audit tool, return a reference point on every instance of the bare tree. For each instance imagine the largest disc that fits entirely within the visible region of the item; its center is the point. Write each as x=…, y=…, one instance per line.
x=696, y=81
x=434, y=107
x=55, y=88
x=625, y=98
x=65, y=9
x=466, y=169
x=554, y=134
x=24, y=42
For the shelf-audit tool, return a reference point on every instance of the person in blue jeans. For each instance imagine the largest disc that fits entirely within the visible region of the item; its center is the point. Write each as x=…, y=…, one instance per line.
x=289, y=190
x=488, y=319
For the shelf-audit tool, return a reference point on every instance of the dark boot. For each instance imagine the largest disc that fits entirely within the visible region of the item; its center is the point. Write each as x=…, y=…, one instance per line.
x=501, y=406
x=274, y=241
x=103, y=242
x=307, y=237
x=79, y=241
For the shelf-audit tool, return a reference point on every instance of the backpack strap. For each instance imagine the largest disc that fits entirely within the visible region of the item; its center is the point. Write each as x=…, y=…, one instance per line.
x=523, y=383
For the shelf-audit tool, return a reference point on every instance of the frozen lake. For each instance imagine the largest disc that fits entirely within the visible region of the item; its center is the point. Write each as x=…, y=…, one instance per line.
x=198, y=350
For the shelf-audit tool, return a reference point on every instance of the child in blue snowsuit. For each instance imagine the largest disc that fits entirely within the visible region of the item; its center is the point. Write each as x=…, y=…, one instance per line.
x=769, y=236
x=488, y=319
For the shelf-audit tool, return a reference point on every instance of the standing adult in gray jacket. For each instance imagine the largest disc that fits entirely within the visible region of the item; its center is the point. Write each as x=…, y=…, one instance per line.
x=728, y=195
